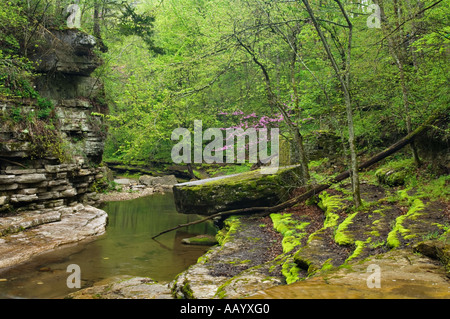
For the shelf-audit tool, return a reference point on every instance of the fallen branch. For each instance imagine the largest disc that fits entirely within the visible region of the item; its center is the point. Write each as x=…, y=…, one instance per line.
x=319, y=188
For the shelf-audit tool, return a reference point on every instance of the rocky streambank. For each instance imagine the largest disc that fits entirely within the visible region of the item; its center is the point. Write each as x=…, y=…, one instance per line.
x=319, y=249
x=31, y=233
x=51, y=147
x=145, y=185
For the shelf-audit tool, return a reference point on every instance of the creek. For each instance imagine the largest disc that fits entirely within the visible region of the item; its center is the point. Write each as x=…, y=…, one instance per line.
x=125, y=249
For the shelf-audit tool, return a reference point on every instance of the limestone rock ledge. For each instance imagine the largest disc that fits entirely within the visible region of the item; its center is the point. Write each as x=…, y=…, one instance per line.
x=59, y=226
x=42, y=186
x=125, y=287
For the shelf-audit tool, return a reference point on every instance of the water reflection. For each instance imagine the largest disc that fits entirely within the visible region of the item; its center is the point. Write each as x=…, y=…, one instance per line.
x=125, y=249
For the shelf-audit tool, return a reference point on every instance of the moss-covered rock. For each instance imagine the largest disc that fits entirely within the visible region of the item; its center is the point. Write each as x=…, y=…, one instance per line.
x=240, y=265
x=391, y=177
x=395, y=173
x=422, y=221
x=249, y=189
x=202, y=240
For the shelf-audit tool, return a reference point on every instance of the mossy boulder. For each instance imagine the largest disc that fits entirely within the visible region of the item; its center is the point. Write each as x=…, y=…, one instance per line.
x=391, y=177
x=395, y=173
x=249, y=189
x=200, y=240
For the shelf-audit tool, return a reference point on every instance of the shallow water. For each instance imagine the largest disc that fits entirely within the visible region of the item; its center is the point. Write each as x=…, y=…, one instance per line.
x=125, y=249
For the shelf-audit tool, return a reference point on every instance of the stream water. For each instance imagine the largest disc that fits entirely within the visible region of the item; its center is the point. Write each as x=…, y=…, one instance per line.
x=125, y=249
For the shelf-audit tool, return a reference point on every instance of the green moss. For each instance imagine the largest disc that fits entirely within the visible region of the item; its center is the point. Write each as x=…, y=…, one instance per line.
x=221, y=292
x=341, y=236
x=317, y=235
x=327, y=265
x=392, y=239
x=329, y=204
x=360, y=245
x=231, y=226
x=436, y=188
x=187, y=291
x=203, y=240
x=377, y=244
x=390, y=177
x=399, y=229
x=290, y=229
x=445, y=236
x=374, y=233
x=202, y=259
x=290, y=271
x=395, y=173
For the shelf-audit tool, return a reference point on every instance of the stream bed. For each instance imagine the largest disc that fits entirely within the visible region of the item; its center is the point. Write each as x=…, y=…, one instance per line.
x=125, y=249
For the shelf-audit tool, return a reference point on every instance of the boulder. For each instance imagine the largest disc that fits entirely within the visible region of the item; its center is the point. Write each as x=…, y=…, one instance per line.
x=209, y=196
x=391, y=177
x=123, y=181
x=67, y=51
x=201, y=240
x=156, y=181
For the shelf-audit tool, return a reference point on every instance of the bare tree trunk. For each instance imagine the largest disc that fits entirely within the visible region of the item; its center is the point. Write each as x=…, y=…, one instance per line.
x=345, y=82
x=398, y=53
x=297, y=135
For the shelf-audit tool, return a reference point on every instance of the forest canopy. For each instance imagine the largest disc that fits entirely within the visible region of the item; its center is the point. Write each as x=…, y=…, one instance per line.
x=367, y=72
x=220, y=61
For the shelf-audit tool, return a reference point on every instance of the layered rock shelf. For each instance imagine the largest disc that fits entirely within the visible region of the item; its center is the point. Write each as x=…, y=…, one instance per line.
x=46, y=186
x=47, y=229
x=51, y=150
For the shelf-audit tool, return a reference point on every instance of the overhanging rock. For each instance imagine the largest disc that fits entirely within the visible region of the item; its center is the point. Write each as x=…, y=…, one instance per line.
x=250, y=189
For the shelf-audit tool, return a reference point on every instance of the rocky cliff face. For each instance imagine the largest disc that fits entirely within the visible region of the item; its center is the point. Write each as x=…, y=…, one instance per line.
x=53, y=163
